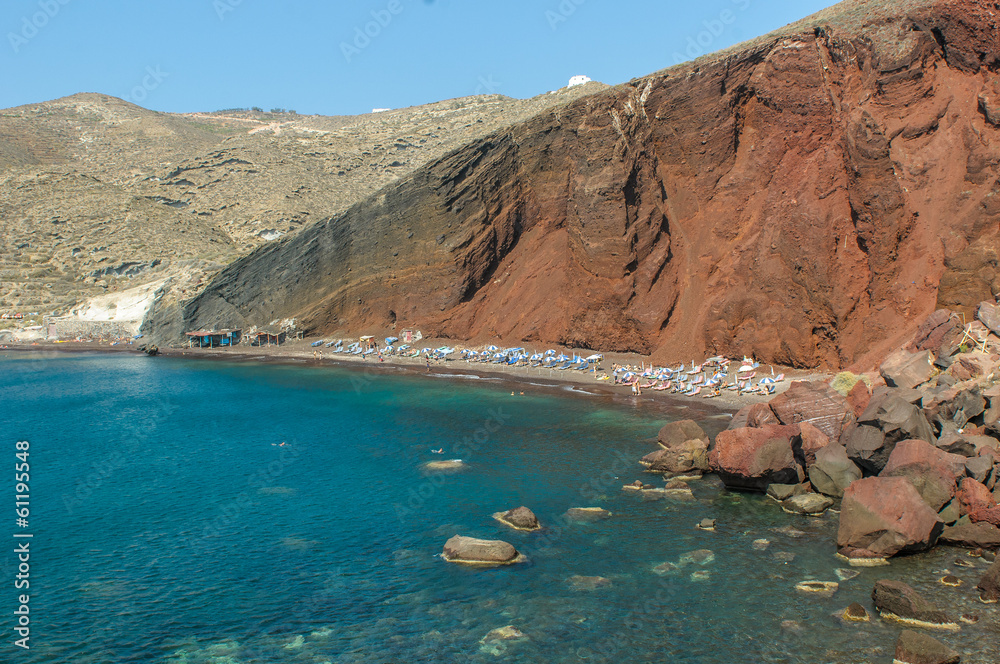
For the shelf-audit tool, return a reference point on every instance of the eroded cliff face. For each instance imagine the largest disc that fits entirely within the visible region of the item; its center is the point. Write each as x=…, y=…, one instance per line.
x=806, y=199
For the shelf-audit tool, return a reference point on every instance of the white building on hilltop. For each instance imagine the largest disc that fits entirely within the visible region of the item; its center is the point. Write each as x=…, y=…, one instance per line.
x=578, y=80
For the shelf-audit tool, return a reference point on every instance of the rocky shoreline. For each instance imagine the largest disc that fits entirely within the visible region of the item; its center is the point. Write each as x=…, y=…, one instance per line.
x=909, y=457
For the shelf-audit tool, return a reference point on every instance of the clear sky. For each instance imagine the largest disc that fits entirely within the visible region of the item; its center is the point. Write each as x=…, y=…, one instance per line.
x=338, y=57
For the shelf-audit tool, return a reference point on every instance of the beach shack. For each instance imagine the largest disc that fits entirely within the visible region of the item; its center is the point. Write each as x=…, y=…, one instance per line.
x=411, y=336
x=368, y=343
x=213, y=338
x=267, y=339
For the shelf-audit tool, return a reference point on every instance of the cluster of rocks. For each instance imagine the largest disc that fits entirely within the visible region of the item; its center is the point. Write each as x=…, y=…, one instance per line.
x=910, y=460
x=471, y=551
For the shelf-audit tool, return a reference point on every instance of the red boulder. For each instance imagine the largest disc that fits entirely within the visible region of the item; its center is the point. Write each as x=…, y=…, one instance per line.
x=813, y=440
x=752, y=458
x=973, y=496
x=858, y=398
x=814, y=402
x=887, y=516
x=933, y=472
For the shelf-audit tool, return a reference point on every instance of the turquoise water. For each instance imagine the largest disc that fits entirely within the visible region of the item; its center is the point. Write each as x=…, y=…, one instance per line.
x=171, y=525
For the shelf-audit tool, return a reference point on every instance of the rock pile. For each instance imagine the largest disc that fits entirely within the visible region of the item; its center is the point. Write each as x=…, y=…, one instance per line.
x=912, y=459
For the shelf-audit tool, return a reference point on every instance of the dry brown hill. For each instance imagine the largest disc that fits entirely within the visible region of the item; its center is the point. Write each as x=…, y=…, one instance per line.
x=95, y=190
x=807, y=197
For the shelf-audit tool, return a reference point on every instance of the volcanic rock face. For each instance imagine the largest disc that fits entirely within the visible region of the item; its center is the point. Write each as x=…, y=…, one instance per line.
x=808, y=198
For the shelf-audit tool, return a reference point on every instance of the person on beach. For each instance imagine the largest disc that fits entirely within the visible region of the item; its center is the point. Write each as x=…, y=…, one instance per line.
x=428, y=364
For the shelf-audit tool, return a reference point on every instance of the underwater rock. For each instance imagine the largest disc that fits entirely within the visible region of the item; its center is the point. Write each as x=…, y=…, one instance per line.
x=899, y=602
x=506, y=633
x=846, y=574
x=578, y=582
x=916, y=648
x=706, y=524
x=989, y=585
x=823, y=588
x=861, y=557
x=445, y=466
x=665, y=569
x=587, y=514
x=700, y=557
x=855, y=613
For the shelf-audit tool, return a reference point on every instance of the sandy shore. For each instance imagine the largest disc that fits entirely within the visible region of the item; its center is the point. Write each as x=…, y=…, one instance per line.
x=301, y=352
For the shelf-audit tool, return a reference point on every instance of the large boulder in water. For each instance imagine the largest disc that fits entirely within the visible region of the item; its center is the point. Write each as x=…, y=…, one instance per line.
x=811, y=504
x=886, y=515
x=681, y=431
x=750, y=458
x=897, y=601
x=832, y=471
x=814, y=402
x=472, y=551
x=917, y=648
x=888, y=419
x=989, y=585
x=933, y=473
x=906, y=369
x=687, y=457
x=519, y=518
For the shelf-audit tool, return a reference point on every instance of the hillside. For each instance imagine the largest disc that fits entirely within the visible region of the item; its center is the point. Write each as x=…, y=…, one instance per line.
x=95, y=190
x=807, y=197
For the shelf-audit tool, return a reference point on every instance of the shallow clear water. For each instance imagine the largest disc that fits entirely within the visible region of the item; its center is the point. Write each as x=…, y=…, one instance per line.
x=171, y=525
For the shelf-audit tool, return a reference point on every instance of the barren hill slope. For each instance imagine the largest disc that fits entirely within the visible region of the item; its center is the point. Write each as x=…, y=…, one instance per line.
x=95, y=190
x=807, y=197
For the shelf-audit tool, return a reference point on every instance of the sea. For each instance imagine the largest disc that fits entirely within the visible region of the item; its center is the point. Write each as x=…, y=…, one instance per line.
x=198, y=511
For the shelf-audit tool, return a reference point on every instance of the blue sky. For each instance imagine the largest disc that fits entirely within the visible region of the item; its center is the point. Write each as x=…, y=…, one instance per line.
x=349, y=56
